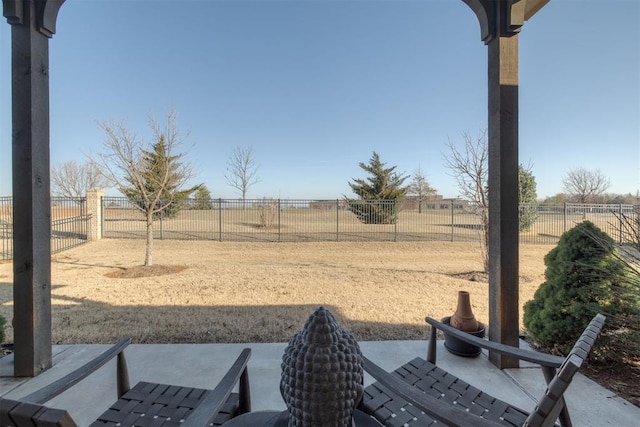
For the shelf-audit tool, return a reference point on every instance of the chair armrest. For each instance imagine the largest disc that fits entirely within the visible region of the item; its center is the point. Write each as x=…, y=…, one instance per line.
x=212, y=403
x=55, y=388
x=541, y=359
x=16, y=413
x=438, y=409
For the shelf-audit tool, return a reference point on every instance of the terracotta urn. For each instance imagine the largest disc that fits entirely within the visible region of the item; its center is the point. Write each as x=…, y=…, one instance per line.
x=463, y=318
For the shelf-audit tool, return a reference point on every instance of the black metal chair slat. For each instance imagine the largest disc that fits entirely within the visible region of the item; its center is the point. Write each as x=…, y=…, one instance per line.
x=146, y=404
x=386, y=398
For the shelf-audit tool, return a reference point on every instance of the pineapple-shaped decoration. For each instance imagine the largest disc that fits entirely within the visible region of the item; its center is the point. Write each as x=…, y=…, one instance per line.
x=322, y=374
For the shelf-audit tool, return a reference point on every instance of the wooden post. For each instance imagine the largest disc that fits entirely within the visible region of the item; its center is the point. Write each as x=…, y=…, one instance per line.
x=504, y=314
x=500, y=22
x=33, y=23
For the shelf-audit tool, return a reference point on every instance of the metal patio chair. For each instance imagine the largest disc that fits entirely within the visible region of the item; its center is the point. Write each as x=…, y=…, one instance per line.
x=146, y=404
x=420, y=393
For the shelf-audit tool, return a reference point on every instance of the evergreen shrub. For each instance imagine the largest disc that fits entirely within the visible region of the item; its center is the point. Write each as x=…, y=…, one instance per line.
x=583, y=277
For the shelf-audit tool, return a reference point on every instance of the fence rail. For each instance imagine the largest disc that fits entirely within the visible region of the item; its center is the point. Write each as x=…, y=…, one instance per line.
x=69, y=224
x=295, y=220
x=279, y=220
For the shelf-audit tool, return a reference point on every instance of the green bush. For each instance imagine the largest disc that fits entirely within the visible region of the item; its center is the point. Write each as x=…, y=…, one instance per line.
x=583, y=277
x=527, y=216
x=527, y=196
x=202, y=199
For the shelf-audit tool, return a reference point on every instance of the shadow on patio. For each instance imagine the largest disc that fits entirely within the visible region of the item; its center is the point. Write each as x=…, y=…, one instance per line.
x=203, y=365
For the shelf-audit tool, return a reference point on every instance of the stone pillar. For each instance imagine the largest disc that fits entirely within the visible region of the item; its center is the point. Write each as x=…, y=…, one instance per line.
x=33, y=23
x=500, y=22
x=94, y=211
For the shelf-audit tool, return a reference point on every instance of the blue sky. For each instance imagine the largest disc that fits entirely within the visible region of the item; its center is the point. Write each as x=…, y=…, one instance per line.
x=316, y=86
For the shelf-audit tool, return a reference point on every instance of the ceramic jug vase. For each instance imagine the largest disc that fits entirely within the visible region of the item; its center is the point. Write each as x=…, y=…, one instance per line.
x=464, y=318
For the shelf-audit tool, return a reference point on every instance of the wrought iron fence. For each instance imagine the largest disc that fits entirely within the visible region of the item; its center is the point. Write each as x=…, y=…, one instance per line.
x=6, y=228
x=273, y=220
x=69, y=224
x=553, y=220
x=338, y=220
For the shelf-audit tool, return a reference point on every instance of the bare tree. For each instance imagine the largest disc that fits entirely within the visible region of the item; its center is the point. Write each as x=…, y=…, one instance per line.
x=420, y=187
x=242, y=170
x=470, y=168
x=72, y=179
x=134, y=166
x=585, y=185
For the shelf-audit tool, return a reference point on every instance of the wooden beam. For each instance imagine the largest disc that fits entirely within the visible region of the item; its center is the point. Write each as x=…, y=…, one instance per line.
x=32, y=24
x=504, y=315
x=532, y=7
x=500, y=22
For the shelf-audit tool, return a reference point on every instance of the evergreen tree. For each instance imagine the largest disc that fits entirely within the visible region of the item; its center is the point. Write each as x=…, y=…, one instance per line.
x=202, y=198
x=160, y=173
x=527, y=197
x=379, y=193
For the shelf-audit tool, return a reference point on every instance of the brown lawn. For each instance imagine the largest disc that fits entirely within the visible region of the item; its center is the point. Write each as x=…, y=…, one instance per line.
x=261, y=292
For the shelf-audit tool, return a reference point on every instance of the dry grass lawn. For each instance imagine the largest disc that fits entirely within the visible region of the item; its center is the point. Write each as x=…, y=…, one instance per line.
x=262, y=292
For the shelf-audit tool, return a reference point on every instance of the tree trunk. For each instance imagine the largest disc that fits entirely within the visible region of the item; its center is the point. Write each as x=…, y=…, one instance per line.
x=484, y=243
x=244, y=198
x=148, y=257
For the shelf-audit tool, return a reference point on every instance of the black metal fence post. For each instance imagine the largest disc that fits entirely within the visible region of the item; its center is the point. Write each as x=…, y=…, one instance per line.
x=452, y=225
x=620, y=229
x=279, y=210
x=220, y=219
x=101, y=217
x=395, y=219
x=337, y=220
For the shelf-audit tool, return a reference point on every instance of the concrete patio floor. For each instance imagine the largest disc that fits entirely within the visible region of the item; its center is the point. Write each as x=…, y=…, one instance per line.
x=202, y=365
